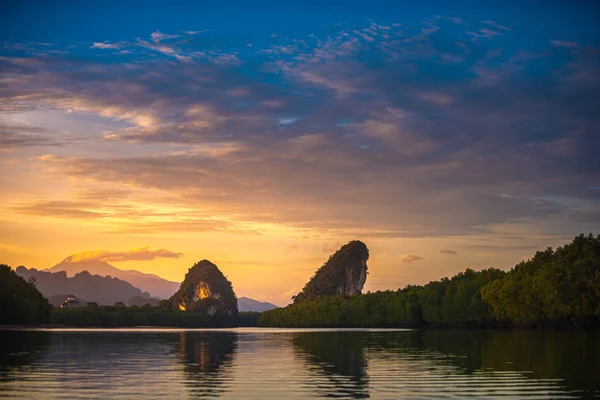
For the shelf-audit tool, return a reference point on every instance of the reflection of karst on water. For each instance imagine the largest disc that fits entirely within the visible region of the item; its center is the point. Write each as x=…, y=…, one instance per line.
x=340, y=357
x=349, y=364
x=207, y=358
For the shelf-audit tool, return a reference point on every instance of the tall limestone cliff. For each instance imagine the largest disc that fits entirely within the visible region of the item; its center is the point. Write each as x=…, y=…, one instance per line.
x=205, y=290
x=344, y=273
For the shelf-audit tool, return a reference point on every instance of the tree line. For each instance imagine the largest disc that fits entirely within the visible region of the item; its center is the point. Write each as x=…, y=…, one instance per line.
x=555, y=288
x=21, y=303
x=117, y=316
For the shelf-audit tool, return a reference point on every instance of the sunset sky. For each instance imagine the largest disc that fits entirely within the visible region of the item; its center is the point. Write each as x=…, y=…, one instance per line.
x=263, y=135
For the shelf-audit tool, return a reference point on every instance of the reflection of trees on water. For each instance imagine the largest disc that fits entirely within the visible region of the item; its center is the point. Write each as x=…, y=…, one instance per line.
x=20, y=350
x=338, y=361
x=570, y=356
x=207, y=359
x=340, y=356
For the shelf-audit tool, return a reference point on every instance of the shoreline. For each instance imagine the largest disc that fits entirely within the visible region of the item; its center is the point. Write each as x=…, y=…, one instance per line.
x=148, y=328
x=243, y=329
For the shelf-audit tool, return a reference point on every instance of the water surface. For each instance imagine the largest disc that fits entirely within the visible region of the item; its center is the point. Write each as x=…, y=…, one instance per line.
x=285, y=363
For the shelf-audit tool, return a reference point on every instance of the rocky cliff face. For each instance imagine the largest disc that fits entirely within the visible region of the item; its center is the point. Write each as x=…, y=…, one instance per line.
x=206, y=290
x=344, y=273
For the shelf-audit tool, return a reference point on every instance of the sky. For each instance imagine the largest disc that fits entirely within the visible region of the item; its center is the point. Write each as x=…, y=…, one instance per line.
x=264, y=135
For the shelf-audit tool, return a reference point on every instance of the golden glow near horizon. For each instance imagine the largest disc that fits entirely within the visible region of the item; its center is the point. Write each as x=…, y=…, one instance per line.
x=176, y=155
x=267, y=261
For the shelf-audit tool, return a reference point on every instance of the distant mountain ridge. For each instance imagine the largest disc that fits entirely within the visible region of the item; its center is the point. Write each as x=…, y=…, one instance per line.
x=96, y=288
x=246, y=304
x=155, y=285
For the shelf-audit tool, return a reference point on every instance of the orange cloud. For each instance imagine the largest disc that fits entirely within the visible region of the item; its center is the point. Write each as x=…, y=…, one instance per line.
x=140, y=254
x=410, y=258
x=449, y=252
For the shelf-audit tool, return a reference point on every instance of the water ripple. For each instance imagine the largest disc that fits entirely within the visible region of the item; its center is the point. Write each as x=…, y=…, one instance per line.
x=256, y=364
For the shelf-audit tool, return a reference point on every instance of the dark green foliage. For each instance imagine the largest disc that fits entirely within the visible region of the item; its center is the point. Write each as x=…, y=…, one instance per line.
x=116, y=317
x=248, y=318
x=20, y=302
x=393, y=309
x=113, y=317
x=331, y=279
x=449, y=302
x=457, y=301
x=554, y=288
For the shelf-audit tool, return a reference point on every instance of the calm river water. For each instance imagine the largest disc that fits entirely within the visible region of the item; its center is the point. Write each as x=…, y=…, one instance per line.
x=289, y=364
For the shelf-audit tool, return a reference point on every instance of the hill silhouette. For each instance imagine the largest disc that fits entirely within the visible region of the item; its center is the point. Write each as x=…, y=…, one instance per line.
x=96, y=288
x=246, y=304
x=155, y=285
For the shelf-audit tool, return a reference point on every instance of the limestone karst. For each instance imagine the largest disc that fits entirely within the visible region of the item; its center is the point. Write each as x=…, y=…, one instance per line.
x=344, y=273
x=207, y=291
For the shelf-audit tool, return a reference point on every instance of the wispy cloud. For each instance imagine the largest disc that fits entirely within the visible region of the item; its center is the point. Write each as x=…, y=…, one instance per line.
x=139, y=254
x=59, y=209
x=449, y=252
x=287, y=121
x=14, y=137
x=372, y=112
x=159, y=36
x=410, y=258
x=167, y=50
x=497, y=25
x=567, y=44
x=195, y=32
x=104, y=45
